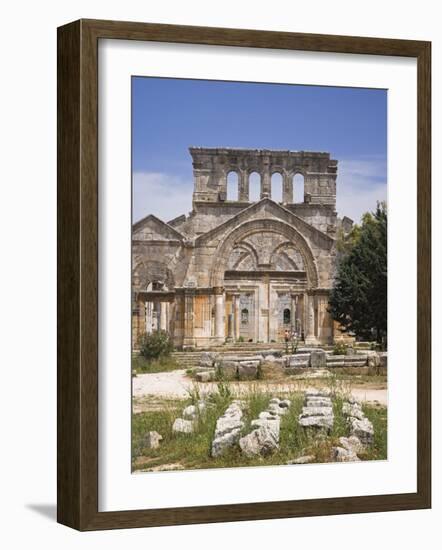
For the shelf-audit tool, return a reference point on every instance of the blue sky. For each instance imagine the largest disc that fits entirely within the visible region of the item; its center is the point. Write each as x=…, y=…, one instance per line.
x=169, y=115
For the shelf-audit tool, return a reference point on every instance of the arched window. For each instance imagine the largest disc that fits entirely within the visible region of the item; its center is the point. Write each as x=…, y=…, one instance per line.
x=287, y=316
x=232, y=186
x=254, y=187
x=298, y=188
x=244, y=316
x=276, y=187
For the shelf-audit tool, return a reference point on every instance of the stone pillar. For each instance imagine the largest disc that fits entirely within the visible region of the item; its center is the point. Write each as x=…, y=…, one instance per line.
x=236, y=317
x=287, y=189
x=310, y=337
x=294, y=314
x=243, y=182
x=163, y=316
x=219, y=314
x=266, y=185
x=189, y=339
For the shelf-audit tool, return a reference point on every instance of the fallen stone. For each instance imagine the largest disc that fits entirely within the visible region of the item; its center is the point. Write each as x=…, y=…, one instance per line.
x=248, y=370
x=285, y=403
x=318, y=402
x=353, y=410
x=224, y=442
x=206, y=376
x=277, y=409
x=339, y=454
x=207, y=358
x=228, y=370
x=363, y=430
x=317, y=393
x=351, y=443
x=183, y=426
x=324, y=423
x=152, y=440
x=317, y=411
x=306, y=459
x=259, y=442
x=192, y=411
x=273, y=423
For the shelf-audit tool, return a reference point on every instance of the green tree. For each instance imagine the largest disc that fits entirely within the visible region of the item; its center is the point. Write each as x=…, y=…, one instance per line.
x=358, y=300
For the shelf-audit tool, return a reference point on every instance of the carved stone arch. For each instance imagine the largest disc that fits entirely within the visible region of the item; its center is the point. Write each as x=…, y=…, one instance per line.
x=266, y=225
x=248, y=248
x=281, y=249
x=145, y=272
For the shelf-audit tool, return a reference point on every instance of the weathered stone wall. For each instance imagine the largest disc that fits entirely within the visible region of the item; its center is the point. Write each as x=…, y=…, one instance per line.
x=223, y=250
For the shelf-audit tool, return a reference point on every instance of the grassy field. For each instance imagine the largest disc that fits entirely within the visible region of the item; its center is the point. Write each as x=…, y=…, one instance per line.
x=140, y=365
x=189, y=451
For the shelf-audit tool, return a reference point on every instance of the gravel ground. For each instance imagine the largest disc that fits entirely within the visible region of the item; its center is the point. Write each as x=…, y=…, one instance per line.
x=175, y=384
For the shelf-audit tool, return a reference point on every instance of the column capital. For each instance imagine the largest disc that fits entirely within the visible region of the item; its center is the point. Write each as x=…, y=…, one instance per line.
x=218, y=290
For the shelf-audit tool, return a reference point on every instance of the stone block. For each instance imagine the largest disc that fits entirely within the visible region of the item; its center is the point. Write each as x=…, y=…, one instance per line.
x=152, y=440
x=340, y=454
x=383, y=359
x=317, y=411
x=259, y=442
x=183, y=426
x=318, y=359
x=320, y=423
x=224, y=442
x=205, y=376
x=248, y=370
x=207, y=359
x=363, y=430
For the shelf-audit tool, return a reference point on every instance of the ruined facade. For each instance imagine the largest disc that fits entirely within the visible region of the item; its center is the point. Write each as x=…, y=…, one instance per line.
x=236, y=270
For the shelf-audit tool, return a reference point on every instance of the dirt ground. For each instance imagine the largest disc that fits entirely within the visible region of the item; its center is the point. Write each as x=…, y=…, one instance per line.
x=176, y=385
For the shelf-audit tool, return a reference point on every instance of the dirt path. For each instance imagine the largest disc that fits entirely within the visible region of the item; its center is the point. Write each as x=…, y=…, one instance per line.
x=175, y=384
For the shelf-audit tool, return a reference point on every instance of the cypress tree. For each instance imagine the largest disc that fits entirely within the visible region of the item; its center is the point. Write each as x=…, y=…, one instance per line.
x=358, y=300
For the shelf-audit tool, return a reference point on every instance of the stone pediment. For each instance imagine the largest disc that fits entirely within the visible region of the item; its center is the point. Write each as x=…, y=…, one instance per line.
x=152, y=228
x=267, y=208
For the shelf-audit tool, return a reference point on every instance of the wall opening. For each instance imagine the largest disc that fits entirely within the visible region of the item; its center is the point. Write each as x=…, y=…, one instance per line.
x=287, y=316
x=254, y=187
x=298, y=188
x=276, y=187
x=232, y=186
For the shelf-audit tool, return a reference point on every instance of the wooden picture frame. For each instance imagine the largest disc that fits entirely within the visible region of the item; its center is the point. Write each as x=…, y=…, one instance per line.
x=77, y=225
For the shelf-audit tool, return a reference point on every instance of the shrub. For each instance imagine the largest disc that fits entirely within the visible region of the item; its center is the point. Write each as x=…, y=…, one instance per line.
x=155, y=345
x=241, y=339
x=339, y=349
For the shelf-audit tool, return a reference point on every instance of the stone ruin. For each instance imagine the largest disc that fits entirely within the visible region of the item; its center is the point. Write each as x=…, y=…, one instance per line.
x=186, y=424
x=228, y=428
x=264, y=437
x=317, y=413
x=229, y=366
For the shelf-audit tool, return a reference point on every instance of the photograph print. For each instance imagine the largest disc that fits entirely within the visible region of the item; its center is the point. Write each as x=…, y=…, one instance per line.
x=259, y=274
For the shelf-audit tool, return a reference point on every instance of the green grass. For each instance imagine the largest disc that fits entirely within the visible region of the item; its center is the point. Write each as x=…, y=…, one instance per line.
x=140, y=365
x=193, y=450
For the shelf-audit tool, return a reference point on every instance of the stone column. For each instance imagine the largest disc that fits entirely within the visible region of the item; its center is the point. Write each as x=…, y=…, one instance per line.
x=265, y=184
x=243, y=181
x=310, y=337
x=294, y=314
x=163, y=316
x=219, y=314
x=287, y=189
x=189, y=339
x=236, y=318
